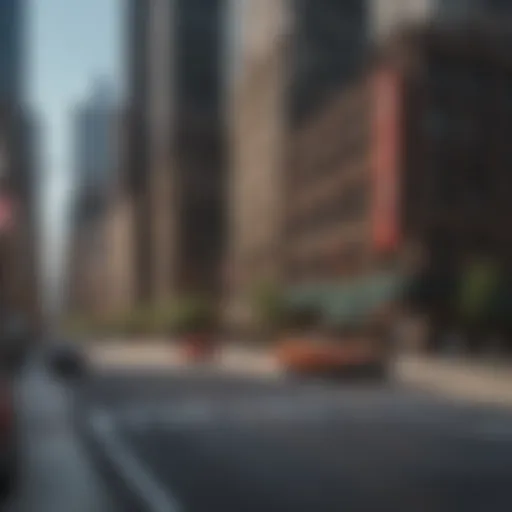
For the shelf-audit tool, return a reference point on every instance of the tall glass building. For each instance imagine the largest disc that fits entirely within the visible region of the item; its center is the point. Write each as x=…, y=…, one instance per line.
x=95, y=147
x=12, y=54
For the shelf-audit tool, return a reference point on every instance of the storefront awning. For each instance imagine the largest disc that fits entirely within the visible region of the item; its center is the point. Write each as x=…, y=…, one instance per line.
x=348, y=301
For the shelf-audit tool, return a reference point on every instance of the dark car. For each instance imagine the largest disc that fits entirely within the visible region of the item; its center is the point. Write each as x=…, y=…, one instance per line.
x=8, y=436
x=66, y=359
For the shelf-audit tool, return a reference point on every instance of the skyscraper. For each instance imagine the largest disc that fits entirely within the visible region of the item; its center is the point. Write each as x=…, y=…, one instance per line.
x=388, y=15
x=96, y=159
x=174, y=70
x=18, y=249
x=198, y=142
x=12, y=62
x=12, y=66
x=96, y=152
x=257, y=49
x=329, y=41
x=134, y=180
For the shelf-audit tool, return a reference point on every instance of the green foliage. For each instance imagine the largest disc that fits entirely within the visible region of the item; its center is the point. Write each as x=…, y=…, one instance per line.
x=268, y=304
x=183, y=315
x=187, y=314
x=78, y=326
x=134, y=323
x=479, y=287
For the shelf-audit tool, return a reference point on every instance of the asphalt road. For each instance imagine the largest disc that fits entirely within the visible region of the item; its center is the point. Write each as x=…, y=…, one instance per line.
x=208, y=442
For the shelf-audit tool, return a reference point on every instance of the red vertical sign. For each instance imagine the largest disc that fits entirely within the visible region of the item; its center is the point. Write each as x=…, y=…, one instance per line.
x=6, y=212
x=386, y=159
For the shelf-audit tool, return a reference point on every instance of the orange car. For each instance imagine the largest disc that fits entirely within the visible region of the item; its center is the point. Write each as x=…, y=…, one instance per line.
x=306, y=356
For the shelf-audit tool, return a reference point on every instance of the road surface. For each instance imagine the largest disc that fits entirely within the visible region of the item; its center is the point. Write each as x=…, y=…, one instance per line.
x=202, y=441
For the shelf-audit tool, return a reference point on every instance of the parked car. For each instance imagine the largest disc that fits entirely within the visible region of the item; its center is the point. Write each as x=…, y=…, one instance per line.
x=350, y=357
x=66, y=359
x=9, y=447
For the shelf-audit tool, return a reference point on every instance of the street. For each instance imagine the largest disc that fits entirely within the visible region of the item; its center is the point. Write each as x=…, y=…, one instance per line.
x=203, y=441
x=207, y=440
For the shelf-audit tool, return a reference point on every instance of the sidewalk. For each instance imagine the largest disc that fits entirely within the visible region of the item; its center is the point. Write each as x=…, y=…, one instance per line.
x=460, y=379
x=151, y=353
x=476, y=381
x=56, y=475
x=163, y=354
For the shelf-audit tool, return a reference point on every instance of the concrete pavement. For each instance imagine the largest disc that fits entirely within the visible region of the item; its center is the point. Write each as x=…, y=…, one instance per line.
x=457, y=379
x=473, y=381
x=149, y=354
x=56, y=472
x=158, y=354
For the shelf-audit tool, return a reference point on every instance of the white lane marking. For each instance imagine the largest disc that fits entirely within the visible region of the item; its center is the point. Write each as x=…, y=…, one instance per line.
x=130, y=467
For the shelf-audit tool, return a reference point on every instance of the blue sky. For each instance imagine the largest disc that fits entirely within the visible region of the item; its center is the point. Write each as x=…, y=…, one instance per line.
x=71, y=42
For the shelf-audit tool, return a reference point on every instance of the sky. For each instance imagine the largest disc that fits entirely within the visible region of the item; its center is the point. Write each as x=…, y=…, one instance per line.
x=70, y=44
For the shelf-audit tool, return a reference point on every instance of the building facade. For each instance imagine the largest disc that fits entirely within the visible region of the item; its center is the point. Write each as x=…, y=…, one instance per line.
x=12, y=62
x=329, y=41
x=418, y=183
x=136, y=150
x=198, y=145
x=388, y=16
x=256, y=106
x=328, y=184
x=19, y=288
x=119, y=283
x=176, y=145
x=289, y=59
x=96, y=154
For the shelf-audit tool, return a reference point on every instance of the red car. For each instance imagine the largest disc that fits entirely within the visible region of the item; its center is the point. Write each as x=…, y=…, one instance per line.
x=324, y=356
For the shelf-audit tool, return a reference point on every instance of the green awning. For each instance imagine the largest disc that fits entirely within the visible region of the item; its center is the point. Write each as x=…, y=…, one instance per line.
x=308, y=295
x=350, y=301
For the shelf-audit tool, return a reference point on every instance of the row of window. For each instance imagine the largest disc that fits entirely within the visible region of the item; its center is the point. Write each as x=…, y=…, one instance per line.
x=343, y=155
x=327, y=265
x=350, y=205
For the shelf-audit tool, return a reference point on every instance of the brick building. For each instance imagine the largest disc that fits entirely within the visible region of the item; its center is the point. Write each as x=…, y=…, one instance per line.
x=328, y=190
x=407, y=167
